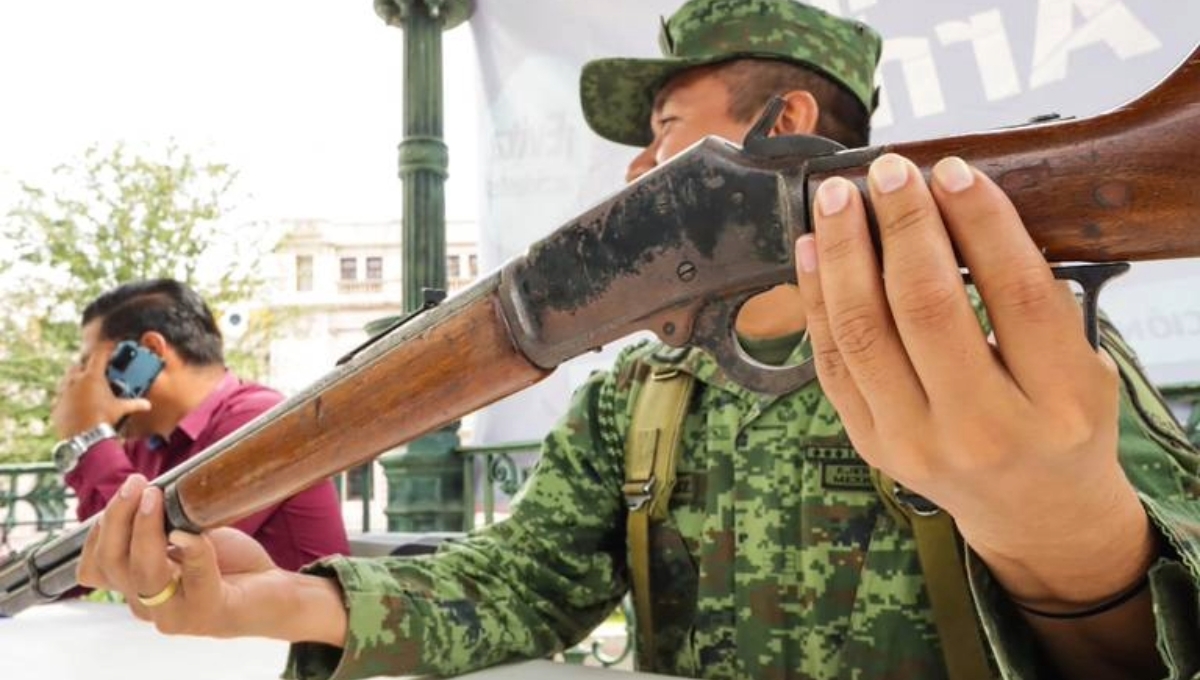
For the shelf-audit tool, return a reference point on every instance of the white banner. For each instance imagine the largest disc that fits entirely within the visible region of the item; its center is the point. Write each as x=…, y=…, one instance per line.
x=948, y=66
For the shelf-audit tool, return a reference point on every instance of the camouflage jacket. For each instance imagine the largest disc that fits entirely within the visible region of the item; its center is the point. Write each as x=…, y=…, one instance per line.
x=778, y=559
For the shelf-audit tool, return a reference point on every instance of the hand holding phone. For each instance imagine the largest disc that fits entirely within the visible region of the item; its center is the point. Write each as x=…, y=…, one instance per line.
x=131, y=370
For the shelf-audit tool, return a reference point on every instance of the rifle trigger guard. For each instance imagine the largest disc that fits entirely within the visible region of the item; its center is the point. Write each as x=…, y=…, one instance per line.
x=1091, y=278
x=713, y=330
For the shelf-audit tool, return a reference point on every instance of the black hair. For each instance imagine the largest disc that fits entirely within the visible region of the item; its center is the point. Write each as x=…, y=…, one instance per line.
x=752, y=82
x=165, y=306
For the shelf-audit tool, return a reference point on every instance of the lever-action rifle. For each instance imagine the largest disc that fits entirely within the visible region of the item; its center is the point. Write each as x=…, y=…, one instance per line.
x=675, y=252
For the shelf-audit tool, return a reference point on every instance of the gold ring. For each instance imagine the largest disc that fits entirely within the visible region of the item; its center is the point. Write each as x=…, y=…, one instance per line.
x=162, y=596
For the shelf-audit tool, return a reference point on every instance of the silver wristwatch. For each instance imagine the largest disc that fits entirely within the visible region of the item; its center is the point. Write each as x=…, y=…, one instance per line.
x=67, y=453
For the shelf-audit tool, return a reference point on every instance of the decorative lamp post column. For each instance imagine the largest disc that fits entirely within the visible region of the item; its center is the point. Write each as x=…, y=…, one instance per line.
x=425, y=479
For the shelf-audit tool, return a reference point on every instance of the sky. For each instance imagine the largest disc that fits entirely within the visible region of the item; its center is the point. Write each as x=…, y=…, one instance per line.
x=302, y=97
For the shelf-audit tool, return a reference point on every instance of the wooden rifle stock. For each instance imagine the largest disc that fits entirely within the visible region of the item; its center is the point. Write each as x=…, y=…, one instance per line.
x=1109, y=188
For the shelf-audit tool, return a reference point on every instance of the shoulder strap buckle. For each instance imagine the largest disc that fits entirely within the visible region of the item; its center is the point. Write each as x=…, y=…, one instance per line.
x=638, y=493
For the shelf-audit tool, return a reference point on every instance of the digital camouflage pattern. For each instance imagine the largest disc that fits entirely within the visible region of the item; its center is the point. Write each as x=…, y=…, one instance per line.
x=778, y=561
x=617, y=94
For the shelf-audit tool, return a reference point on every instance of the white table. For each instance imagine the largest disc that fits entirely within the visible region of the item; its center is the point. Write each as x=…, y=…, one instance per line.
x=94, y=641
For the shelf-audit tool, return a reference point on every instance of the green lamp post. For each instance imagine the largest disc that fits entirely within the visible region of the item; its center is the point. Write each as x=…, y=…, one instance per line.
x=425, y=478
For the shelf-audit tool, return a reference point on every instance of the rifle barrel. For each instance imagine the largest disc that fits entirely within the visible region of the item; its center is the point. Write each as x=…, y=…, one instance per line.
x=442, y=365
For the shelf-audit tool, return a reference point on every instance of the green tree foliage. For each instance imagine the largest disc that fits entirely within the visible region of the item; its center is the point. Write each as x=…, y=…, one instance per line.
x=114, y=215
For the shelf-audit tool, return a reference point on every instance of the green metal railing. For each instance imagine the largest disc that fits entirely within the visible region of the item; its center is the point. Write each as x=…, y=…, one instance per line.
x=34, y=500
x=33, y=503
x=501, y=472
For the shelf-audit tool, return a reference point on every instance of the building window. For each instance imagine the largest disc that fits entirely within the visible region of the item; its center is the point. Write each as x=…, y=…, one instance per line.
x=304, y=273
x=453, y=268
x=349, y=269
x=473, y=265
x=374, y=268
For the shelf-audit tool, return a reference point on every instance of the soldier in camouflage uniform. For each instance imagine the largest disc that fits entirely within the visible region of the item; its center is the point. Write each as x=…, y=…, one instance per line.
x=778, y=559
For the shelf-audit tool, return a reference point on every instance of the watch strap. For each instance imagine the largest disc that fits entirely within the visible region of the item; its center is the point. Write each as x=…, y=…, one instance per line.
x=89, y=438
x=68, y=452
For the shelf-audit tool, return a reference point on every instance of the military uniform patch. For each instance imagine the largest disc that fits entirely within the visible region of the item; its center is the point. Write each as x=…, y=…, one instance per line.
x=846, y=476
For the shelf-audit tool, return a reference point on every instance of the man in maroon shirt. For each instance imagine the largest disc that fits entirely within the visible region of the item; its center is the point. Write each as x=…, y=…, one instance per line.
x=192, y=402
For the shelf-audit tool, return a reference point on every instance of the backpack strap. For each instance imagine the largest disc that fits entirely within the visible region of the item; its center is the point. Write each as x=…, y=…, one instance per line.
x=945, y=578
x=651, y=454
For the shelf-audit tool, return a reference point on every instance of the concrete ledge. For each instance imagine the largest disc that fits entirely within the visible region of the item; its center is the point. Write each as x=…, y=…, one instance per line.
x=378, y=544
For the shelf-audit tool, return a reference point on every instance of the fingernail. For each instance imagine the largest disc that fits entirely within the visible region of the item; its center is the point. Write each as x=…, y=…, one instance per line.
x=833, y=195
x=126, y=488
x=806, y=253
x=953, y=174
x=149, y=501
x=888, y=173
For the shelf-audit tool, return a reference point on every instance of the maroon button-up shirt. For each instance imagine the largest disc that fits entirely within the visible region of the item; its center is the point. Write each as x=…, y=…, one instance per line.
x=303, y=528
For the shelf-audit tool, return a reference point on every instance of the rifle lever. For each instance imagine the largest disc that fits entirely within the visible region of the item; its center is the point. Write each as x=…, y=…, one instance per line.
x=713, y=330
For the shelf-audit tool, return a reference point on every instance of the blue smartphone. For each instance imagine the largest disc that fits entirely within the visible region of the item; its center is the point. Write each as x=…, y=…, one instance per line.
x=131, y=369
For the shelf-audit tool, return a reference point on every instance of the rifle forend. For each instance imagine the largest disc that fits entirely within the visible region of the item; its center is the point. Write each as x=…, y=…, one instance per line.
x=676, y=253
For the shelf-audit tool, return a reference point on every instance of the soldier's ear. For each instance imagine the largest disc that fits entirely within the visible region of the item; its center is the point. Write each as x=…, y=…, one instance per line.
x=799, y=115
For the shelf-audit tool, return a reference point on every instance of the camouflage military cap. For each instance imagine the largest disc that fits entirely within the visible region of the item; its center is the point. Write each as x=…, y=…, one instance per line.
x=618, y=93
